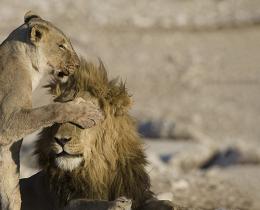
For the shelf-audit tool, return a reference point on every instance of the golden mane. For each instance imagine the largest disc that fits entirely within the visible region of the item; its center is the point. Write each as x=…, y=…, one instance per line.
x=94, y=80
x=116, y=165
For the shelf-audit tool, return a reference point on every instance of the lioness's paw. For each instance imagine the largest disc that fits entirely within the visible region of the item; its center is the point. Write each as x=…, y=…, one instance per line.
x=85, y=113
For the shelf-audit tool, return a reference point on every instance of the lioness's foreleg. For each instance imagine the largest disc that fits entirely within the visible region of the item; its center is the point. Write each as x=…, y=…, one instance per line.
x=26, y=121
x=9, y=188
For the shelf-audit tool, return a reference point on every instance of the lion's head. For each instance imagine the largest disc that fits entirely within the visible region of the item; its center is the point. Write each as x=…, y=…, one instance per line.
x=103, y=162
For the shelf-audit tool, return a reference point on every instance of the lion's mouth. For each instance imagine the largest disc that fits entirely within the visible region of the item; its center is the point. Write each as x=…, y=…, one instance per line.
x=68, y=162
x=66, y=154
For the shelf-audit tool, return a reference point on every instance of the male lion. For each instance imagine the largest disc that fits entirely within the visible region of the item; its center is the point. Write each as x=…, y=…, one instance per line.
x=32, y=50
x=101, y=163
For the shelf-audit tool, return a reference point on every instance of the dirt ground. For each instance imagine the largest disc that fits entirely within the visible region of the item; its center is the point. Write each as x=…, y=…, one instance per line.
x=231, y=186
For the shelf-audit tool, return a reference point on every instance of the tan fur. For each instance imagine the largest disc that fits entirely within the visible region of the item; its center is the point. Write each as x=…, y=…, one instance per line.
x=32, y=50
x=113, y=160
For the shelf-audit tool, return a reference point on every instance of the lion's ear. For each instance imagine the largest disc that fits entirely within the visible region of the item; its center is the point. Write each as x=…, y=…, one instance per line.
x=122, y=105
x=30, y=15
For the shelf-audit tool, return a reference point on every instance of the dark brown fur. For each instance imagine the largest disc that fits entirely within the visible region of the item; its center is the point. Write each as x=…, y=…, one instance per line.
x=116, y=164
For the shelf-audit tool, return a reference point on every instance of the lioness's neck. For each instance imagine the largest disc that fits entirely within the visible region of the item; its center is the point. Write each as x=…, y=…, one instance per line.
x=17, y=48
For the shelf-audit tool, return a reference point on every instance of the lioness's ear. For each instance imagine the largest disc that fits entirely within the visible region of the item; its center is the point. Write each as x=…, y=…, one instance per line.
x=37, y=32
x=30, y=15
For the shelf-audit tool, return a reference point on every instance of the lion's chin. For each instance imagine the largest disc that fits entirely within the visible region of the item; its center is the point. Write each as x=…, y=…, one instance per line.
x=68, y=163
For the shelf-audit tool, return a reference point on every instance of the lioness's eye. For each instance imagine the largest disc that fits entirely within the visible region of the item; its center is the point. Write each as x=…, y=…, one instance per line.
x=61, y=46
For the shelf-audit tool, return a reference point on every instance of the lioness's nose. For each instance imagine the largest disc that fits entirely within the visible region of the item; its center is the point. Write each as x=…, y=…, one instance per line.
x=62, y=140
x=77, y=65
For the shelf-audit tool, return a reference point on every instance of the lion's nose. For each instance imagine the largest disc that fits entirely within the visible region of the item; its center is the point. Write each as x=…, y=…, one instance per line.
x=62, y=140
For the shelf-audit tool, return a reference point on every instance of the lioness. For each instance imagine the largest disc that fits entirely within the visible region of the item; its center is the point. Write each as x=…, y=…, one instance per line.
x=32, y=50
x=101, y=163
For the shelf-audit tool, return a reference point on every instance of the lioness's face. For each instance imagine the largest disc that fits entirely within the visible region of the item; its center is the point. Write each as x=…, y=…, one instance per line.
x=59, y=54
x=55, y=52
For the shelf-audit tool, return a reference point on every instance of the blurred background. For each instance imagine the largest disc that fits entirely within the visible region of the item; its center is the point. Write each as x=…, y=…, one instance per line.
x=193, y=68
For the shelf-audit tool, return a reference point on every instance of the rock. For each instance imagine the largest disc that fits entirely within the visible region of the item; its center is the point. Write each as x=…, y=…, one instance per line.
x=165, y=196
